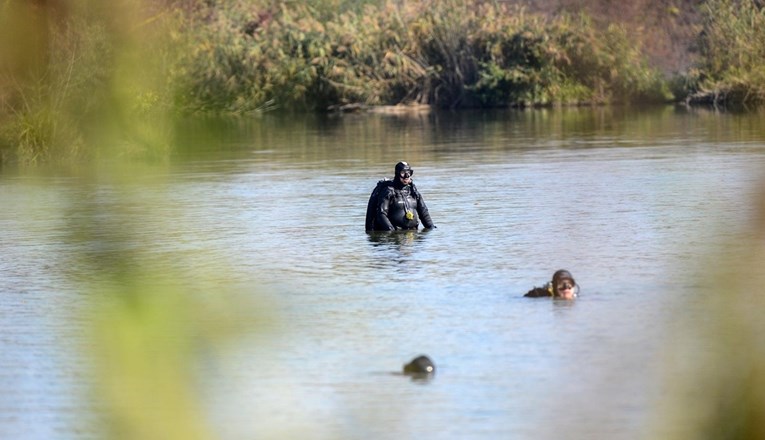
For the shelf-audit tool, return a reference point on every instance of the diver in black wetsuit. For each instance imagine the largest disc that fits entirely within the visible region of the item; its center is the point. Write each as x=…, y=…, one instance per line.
x=562, y=286
x=400, y=205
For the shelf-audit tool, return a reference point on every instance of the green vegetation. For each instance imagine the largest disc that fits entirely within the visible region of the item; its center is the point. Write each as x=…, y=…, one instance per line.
x=455, y=53
x=733, y=49
x=89, y=81
x=145, y=331
x=107, y=82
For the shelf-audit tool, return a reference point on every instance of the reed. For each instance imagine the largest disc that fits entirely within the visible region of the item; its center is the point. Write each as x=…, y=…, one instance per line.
x=732, y=45
x=454, y=53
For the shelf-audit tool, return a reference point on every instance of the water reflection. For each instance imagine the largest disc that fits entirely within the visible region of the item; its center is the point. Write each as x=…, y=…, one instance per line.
x=564, y=304
x=422, y=378
x=372, y=139
x=396, y=239
x=397, y=246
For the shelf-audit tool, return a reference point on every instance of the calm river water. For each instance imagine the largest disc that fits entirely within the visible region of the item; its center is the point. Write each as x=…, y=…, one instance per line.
x=632, y=202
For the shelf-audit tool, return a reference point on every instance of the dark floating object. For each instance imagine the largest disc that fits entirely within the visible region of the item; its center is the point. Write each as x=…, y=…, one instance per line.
x=420, y=365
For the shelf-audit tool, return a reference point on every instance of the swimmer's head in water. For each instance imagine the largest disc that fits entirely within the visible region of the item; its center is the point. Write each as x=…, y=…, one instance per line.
x=420, y=365
x=564, y=285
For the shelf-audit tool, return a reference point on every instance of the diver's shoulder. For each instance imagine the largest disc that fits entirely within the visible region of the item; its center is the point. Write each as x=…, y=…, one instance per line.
x=538, y=292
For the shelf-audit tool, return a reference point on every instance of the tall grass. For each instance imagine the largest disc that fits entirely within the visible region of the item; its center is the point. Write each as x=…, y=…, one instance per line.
x=453, y=53
x=733, y=49
x=250, y=57
x=94, y=86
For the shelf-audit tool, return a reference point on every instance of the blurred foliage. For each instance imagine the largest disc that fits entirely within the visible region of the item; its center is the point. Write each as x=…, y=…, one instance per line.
x=85, y=80
x=715, y=367
x=150, y=334
x=90, y=82
x=154, y=328
x=145, y=336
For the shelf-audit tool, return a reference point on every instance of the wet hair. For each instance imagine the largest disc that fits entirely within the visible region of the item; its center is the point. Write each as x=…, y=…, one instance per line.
x=420, y=365
x=562, y=275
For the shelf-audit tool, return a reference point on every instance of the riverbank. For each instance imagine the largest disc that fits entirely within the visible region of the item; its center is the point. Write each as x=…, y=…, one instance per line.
x=119, y=76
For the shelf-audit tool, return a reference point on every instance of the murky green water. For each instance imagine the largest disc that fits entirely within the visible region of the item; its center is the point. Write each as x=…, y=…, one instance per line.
x=631, y=201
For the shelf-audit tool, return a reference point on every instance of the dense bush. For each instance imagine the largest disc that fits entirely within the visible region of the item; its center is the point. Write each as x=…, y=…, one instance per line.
x=451, y=53
x=733, y=49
